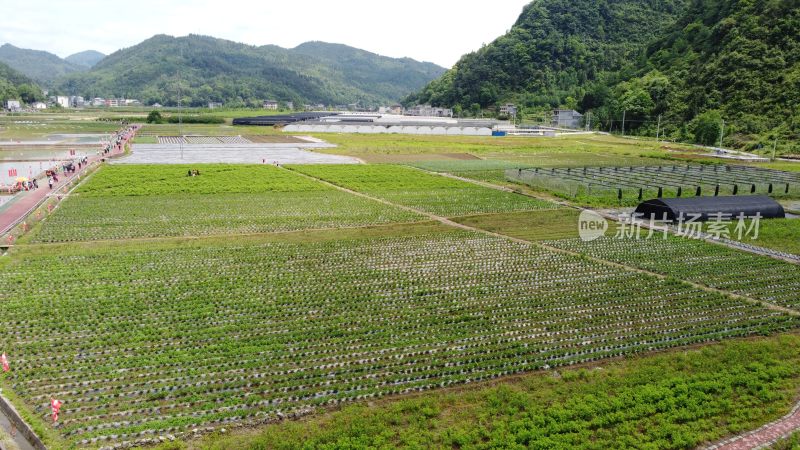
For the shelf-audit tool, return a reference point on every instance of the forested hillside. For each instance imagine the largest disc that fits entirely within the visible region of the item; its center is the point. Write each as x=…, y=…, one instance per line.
x=732, y=60
x=224, y=71
x=392, y=78
x=686, y=65
x=553, y=51
x=16, y=86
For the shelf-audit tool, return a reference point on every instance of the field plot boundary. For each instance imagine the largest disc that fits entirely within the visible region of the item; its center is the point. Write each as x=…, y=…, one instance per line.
x=700, y=262
x=10, y=412
x=711, y=314
x=422, y=190
x=290, y=236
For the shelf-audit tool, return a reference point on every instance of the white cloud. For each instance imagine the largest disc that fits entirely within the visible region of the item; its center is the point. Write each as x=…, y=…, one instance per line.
x=431, y=30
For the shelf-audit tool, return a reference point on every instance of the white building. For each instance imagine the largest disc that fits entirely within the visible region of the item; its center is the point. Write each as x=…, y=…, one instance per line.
x=40, y=105
x=97, y=101
x=271, y=104
x=508, y=109
x=76, y=101
x=62, y=101
x=13, y=105
x=567, y=118
x=429, y=111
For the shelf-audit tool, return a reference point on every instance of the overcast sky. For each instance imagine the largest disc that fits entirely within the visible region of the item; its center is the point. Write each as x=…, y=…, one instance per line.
x=438, y=31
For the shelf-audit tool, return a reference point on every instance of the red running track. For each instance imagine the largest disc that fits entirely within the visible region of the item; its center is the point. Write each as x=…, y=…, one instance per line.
x=24, y=202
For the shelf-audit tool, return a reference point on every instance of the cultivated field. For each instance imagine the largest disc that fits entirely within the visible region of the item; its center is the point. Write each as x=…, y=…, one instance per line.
x=161, y=306
x=426, y=192
x=754, y=276
x=130, y=201
x=165, y=338
x=232, y=154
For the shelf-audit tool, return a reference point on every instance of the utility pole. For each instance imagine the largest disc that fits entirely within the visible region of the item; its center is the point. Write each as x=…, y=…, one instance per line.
x=658, y=128
x=589, y=121
x=623, y=122
x=180, y=109
x=774, y=148
x=721, y=133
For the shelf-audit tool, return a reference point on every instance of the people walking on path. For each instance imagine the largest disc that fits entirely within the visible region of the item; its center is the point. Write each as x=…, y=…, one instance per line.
x=24, y=203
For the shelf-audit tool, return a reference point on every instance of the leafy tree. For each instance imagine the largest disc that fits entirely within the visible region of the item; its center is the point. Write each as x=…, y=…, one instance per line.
x=706, y=127
x=12, y=81
x=154, y=117
x=29, y=93
x=475, y=109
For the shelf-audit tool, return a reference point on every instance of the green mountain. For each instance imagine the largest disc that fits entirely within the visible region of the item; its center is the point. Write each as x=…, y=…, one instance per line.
x=391, y=78
x=553, y=50
x=16, y=86
x=86, y=59
x=679, y=68
x=218, y=70
x=732, y=60
x=41, y=66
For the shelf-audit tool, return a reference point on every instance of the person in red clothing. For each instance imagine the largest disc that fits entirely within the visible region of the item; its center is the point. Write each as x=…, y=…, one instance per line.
x=55, y=406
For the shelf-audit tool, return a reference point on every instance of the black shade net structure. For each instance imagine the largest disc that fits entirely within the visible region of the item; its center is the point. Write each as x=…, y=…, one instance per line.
x=709, y=208
x=283, y=119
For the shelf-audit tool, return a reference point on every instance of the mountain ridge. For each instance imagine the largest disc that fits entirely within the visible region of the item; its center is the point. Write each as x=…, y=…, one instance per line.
x=39, y=65
x=86, y=58
x=219, y=70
